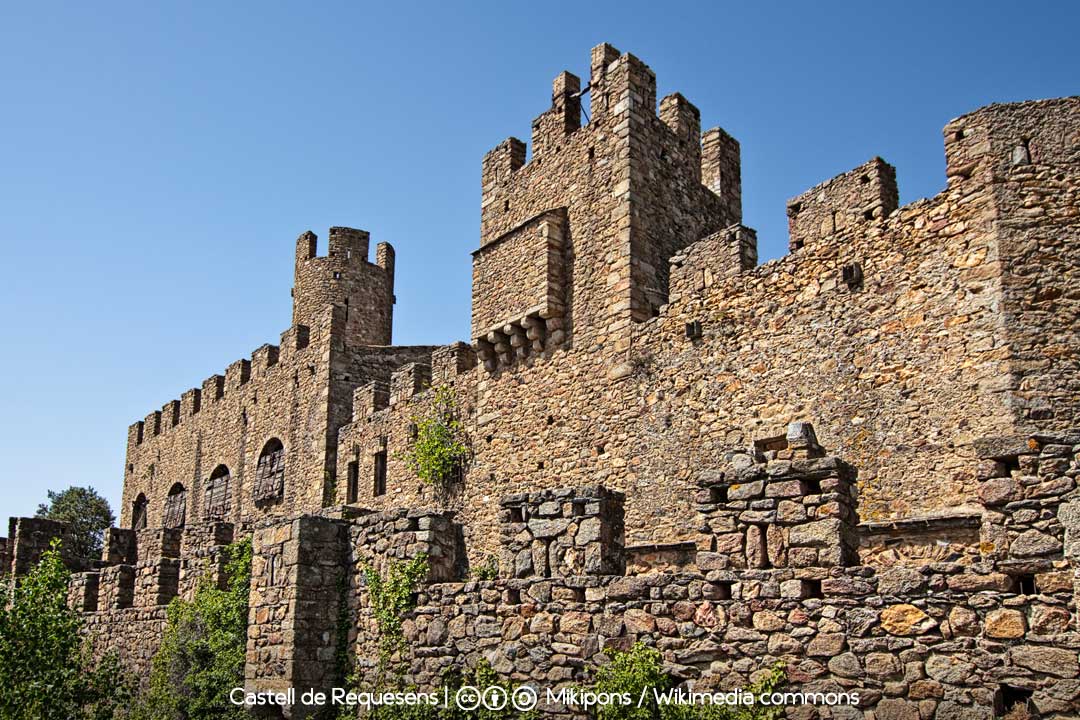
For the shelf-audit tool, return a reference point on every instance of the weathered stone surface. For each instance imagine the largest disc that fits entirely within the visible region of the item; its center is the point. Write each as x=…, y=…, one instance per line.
x=896, y=709
x=905, y=619
x=1050, y=660
x=1033, y=543
x=1004, y=624
x=999, y=491
x=883, y=665
x=1047, y=620
x=826, y=645
x=949, y=669
x=901, y=581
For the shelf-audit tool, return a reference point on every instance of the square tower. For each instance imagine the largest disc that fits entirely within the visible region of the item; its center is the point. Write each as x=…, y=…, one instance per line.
x=575, y=243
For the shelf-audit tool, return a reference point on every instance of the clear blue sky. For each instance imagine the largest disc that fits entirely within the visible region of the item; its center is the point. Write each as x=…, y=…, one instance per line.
x=158, y=160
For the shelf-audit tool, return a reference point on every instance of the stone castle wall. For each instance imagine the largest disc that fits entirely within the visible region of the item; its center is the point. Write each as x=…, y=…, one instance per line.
x=779, y=580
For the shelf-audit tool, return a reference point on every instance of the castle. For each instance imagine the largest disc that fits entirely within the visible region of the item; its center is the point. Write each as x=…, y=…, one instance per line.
x=857, y=458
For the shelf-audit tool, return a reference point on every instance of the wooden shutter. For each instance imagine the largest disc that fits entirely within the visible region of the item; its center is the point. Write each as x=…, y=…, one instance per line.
x=270, y=475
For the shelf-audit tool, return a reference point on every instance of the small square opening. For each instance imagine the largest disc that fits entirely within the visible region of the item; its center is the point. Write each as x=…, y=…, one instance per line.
x=718, y=494
x=1025, y=585
x=1012, y=702
x=517, y=514
x=722, y=590
x=813, y=588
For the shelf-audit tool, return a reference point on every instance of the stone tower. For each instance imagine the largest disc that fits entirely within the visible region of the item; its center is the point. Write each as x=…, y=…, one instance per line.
x=575, y=243
x=344, y=277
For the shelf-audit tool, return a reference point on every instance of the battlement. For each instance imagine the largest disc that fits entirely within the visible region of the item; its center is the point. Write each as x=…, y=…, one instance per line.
x=344, y=277
x=987, y=143
x=848, y=203
x=619, y=195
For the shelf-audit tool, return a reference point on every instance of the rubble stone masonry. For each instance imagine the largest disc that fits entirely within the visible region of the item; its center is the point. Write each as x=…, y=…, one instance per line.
x=857, y=459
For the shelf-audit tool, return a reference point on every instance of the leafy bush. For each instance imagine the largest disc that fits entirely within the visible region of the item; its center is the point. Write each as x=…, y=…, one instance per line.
x=641, y=668
x=439, y=450
x=201, y=657
x=45, y=668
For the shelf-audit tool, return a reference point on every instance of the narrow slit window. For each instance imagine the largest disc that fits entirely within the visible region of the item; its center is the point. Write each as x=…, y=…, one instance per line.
x=353, y=482
x=380, y=473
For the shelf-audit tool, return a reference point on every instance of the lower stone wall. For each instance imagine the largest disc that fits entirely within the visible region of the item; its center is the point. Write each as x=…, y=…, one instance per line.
x=132, y=634
x=953, y=637
x=946, y=641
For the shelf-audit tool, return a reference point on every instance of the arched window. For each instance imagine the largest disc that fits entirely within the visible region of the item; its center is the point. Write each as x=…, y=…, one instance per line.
x=175, y=507
x=138, y=513
x=270, y=472
x=217, y=499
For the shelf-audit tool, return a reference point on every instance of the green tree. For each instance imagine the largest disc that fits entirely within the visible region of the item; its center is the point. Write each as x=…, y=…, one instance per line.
x=45, y=668
x=201, y=657
x=86, y=512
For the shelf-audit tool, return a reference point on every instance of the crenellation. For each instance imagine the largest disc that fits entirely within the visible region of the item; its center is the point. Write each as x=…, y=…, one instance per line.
x=450, y=361
x=83, y=591
x=154, y=543
x=116, y=587
x=684, y=120
x=135, y=433
x=170, y=414
x=498, y=165
x=409, y=380
x=345, y=277
x=843, y=205
x=711, y=260
x=190, y=402
x=237, y=374
x=213, y=389
x=550, y=129
x=155, y=583
x=721, y=170
x=348, y=243
x=368, y=399
x=264, y=358
x=120, y=546
x=152, y=424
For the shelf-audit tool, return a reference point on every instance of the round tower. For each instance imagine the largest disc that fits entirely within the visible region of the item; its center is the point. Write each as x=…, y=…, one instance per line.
x=344, y=277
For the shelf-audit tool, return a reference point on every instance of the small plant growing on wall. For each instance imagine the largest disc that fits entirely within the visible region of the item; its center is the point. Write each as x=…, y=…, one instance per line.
x=391, y=598
x=487, y=570
x=439, y=451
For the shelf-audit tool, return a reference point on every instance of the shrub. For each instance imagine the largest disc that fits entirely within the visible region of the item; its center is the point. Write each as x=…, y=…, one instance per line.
x=487, y=570
x=201, y=657
x=45, y=668
x=391, y=597
x=439, y=450
x=641, y=668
